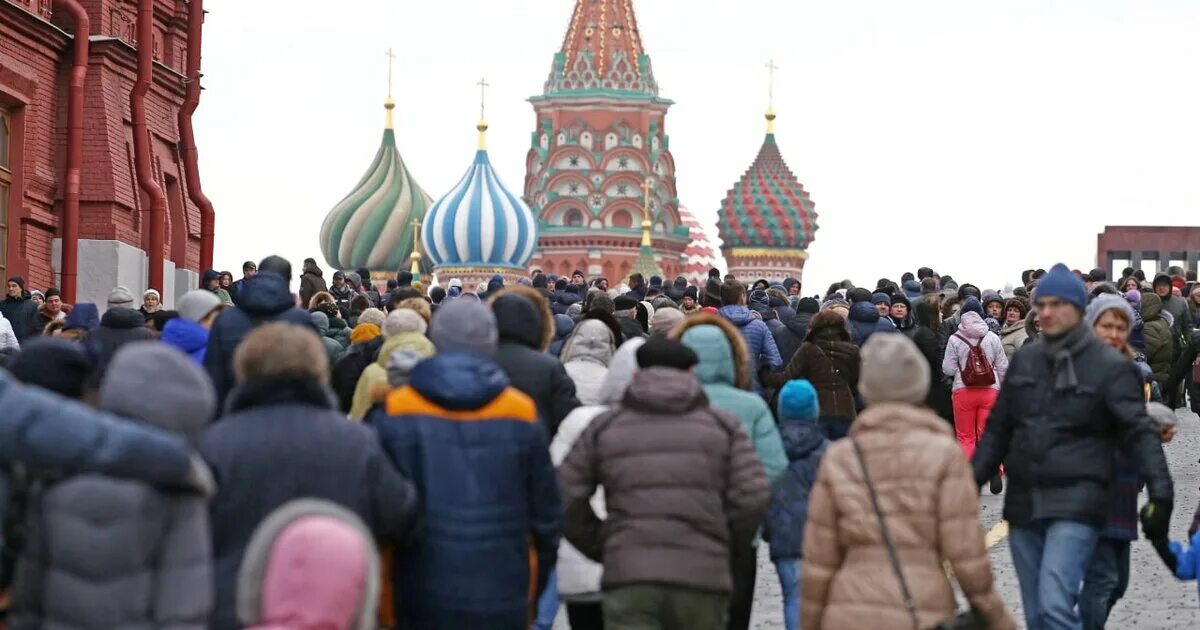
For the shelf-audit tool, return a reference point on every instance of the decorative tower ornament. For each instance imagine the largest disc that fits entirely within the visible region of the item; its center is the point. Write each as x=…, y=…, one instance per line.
x=645, y=263
x=479, y=228
x=600, y=132
x=767, y=220
x=371, y=226
x=415, y=268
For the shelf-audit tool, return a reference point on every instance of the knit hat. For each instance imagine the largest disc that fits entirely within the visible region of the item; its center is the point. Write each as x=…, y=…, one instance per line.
x=808, y=305
x=881, y=298
x=712, y=290
x=992, y=296
x=665, y=319
x=85, y=316
x=1108, y=302
x=454, y=282
x=623, y=303
x=971, y=305
x=464, y=326
x=403, y=320
x=120, y=297
x=400, y=366
x=1062, y=284
x=912, y=289
x=161, y=386
x=196, y=305
x=692, y=292
x=798, y=401
x=893, y=370
x=35, y=293
x=58, y=365
x=19, y=280
x=372, y=316
x=320, y=321
x=364, y=332
x=858, y=294
x=663, y=352
x=150, y=292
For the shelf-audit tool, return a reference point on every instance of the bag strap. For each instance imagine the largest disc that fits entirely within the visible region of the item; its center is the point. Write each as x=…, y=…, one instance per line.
x=909, y=604
x=967, y=341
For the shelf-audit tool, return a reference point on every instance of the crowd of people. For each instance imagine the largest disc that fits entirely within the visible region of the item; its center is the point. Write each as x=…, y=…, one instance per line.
x=444, y=456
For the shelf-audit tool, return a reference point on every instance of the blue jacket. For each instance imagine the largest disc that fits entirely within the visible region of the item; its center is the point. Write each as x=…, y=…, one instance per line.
x=188, y=336
x=474, y=448
x=759, y=340
x=805, y=444
x=1187, y=565
x=263, y=298
x=865, y=321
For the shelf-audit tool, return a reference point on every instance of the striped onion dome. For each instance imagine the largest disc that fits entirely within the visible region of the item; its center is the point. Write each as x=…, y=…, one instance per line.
x=767, y=207
x=700, y=255
x=372, y=226
x=480, y=223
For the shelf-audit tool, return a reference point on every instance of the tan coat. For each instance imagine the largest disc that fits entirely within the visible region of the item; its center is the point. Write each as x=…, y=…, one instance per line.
x=931, y=505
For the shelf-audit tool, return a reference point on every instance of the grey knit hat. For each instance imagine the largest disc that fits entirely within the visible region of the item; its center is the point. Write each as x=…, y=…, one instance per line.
x=400, y=366
x=1107, y=302
x=893, y=370
x=464, y=326
x=120, y=297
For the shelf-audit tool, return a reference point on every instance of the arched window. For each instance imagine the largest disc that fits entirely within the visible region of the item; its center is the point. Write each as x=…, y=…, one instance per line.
x=622, y=219
x=573, y=218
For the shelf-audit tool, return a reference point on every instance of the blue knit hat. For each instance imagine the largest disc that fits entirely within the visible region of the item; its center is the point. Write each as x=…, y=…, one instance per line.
x=798, y=402
x=1062, y=284
x=881, y=298
x=971, y=305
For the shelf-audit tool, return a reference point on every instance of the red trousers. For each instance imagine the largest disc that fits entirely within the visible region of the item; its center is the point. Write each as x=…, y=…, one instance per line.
x=972, y=405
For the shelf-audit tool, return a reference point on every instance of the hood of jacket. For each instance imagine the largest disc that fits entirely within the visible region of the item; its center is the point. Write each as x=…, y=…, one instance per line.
x=458, y=381
x=123, y=319
x=563, y=327
x=160, y=386
x=414, y=341
x=663, y=391
x=828, y=325
x=85, y=315
x=785, y=313
x=311, y=267
x=338, y=589
x=738, y=315
x=523, y=317
x=621, y=372
x=972, y=326
x=801, y=438
x=864, y=313
x=1152, y=307
x=591, y=341
x=185, y=335
x=264, y=295
x=724, y=358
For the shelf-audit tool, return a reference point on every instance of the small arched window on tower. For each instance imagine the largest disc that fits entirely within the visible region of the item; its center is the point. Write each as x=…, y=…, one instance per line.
x=573, y=218
x=622, y=219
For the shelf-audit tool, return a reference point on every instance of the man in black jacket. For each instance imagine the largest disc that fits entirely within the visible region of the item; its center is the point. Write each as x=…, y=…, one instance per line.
x=18, y=309
x=1067, y=404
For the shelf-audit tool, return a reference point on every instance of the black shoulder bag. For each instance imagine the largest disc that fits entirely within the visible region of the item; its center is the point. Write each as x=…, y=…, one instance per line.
x=969, y=620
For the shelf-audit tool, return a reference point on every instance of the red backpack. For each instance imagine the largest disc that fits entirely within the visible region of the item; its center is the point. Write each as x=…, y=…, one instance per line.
x=978, y=371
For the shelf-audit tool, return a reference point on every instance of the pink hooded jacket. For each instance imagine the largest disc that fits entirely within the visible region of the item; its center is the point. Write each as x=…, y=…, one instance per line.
x=957, y=350
x=311, y=565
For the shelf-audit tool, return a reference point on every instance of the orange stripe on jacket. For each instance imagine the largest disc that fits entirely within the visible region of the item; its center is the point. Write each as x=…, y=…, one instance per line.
x=511, y=404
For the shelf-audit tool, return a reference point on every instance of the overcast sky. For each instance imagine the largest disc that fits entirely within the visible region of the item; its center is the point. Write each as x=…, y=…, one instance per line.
x=980, y=137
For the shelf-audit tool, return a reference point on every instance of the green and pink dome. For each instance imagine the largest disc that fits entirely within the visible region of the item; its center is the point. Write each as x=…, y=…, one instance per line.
x=768, y=207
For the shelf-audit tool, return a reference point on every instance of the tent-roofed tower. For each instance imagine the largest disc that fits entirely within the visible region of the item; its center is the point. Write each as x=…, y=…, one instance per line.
x=600, y=133
x=767, y=221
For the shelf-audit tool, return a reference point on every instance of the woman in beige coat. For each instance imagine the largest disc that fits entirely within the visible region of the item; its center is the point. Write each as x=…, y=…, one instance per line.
x=928, y=498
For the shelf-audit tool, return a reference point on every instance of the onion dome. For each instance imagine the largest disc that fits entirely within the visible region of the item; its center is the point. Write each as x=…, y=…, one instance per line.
x=700, y=255
x=480, y=223
x=768, y=207
x=372, y=226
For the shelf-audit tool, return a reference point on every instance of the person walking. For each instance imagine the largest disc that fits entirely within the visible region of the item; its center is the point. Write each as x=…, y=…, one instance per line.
x=829, y=361
x=312, y=282
x=1068, y=403
x=585, y=356
x=976, y=361
x=764, y=354
x=403, y=329
x=1012, y=332
x=19, y=309
x=892, y=502
x=1158, y=337
x=677, y=506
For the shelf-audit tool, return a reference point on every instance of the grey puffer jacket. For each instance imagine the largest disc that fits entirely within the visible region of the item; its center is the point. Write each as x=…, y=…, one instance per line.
x=102, y=552
x=585, y=356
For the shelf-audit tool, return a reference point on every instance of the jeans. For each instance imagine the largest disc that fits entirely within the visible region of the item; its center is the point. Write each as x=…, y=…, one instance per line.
x=547, y=604
x=972, y=406
x=789, y=570
x=1050, y=558
x=1105, y=582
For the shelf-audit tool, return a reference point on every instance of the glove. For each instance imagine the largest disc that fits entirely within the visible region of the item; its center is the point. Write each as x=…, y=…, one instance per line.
x=1156, y=519
x=1168, y=552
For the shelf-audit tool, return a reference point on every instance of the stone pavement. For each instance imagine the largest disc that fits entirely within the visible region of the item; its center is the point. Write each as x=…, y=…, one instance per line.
x=1155, y=599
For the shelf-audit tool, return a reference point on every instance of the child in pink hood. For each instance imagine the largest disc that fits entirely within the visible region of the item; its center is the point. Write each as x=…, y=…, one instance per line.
x=311, y=565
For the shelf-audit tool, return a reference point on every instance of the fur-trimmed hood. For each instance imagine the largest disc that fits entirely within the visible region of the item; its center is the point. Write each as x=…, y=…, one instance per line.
x=523, y=316
x=727, y=362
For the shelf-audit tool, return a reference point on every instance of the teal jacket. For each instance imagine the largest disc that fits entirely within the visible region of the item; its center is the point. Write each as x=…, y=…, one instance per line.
x=717, y=373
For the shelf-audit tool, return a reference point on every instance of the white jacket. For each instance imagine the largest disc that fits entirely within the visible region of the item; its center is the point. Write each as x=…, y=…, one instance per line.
x=8, y=339
x=958, y=351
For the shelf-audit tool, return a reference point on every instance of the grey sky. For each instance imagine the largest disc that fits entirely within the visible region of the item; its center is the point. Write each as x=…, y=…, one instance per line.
x=978, y=137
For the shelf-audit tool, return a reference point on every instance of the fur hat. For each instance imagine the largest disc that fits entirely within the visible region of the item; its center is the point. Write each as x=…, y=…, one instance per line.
x=893, y=370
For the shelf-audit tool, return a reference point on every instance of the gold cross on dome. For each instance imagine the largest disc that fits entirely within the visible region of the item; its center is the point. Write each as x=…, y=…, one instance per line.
x=391, y=58
x=483, y=86
x=771, y=68
x=416, y=226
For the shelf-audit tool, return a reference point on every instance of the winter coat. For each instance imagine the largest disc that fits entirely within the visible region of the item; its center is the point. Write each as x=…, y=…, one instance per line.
x=348, y=370
x=191, y=338
x=676, y=505
x=1013, y=337
x=312, y=282
x=280, y=440
x=1160, y=343
x=723, y=372
x=295, y=556
x=8, y=338
x=118, y=327
x=563, y=327
x=525, y=330
x=931, y=506
x=865, y=321
x=1057, y=447
x=939, y=393
x=333, y=349
x=760, y=343
x=791, y=335
x=43, y=317
x=805, y=444
x=579, y=577
x=480, y=460
x=21, y=313
x=945, y=331
x=102, y=552
x=264, y=298
x=586, y=356
x=1187, y=562
x=831, y=363
x=958, y=351
x=1181, y=317
x=375, y=374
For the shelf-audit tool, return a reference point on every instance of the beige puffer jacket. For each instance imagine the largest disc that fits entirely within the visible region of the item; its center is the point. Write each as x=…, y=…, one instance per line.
x=931, y=504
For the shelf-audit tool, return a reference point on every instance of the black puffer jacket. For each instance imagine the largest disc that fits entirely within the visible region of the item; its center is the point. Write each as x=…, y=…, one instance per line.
x=526, y=329
x=789, y=336
x=1057, y=448
x=118, y=327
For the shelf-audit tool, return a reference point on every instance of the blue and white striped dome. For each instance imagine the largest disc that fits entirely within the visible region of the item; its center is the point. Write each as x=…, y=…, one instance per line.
x=479, y=223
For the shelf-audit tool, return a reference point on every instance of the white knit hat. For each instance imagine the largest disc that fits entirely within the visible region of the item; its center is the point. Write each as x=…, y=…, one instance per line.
x=893, y=370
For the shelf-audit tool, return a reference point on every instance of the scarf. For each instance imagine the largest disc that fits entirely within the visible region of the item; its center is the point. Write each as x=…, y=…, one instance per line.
x=1060, y=352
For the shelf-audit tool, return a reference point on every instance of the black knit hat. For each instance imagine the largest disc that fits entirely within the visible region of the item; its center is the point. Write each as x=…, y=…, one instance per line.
x=58, y=365
x=692, y=292
x=808, y=305
x=668, y=353
x=623, y=303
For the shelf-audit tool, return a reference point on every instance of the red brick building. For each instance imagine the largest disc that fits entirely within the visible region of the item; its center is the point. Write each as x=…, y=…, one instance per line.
x=37, y=54
x=1144, y=246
